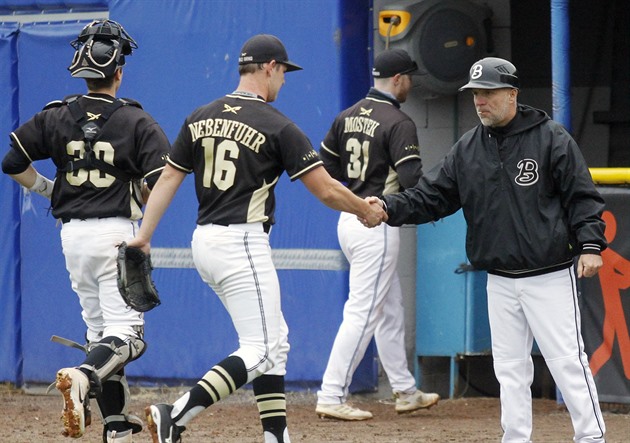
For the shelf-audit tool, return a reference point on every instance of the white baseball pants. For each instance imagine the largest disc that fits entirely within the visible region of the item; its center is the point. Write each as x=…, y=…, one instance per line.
x=374, y=309
x=236, y=262
x=544, y=308
x=89, y=247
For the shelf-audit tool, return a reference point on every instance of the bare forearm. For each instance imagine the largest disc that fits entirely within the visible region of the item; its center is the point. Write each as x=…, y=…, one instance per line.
x=158, y=202
x=336, y=196
x=26, y=178
x=340, y=198
x=34, y=181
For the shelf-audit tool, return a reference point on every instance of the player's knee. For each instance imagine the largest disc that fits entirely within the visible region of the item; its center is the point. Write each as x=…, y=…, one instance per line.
x=111, y=354
x=124, y=332
x=258, y=360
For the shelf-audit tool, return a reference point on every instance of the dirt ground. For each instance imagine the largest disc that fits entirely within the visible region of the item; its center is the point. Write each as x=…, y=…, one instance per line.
x=35, y=418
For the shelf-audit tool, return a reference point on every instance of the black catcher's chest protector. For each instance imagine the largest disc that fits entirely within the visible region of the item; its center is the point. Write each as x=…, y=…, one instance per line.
x=91, y=132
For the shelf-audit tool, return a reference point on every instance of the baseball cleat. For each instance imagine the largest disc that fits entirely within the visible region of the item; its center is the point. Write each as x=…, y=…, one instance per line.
x=342, y=411
x=161, y=425
x=74, y=387
x=406, y=403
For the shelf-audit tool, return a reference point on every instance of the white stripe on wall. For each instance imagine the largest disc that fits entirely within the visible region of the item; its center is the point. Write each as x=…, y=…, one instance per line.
x=304, y=259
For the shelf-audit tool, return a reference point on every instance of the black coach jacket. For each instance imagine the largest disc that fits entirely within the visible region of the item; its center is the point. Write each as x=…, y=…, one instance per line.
x=526, y=194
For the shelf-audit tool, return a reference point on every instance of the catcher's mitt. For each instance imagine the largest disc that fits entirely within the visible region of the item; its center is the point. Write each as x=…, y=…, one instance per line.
x=134, y=279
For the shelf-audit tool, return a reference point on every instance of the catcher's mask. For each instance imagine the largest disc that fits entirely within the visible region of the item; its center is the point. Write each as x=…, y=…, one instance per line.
x=492, y=73
x=100, y=49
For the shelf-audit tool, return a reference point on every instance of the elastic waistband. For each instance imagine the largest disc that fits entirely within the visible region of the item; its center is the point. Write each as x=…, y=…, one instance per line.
x=255, y=227
x=531, y=272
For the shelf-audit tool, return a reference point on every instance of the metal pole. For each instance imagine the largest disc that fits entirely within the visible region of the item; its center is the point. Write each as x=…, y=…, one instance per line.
x=561, y=62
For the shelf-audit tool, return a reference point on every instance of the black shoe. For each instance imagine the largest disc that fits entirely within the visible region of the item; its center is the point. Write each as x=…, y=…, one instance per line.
x=161, y=425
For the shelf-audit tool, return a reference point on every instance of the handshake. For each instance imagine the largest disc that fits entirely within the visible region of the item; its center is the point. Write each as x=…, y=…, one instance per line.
x=376, y=213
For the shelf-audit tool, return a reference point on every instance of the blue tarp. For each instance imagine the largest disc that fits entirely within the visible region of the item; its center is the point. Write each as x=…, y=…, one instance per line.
x=45, y=6
x=10, y=339
x=187, y=57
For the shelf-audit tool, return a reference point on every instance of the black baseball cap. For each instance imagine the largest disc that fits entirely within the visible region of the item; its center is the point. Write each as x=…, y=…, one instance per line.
x=393, y=61
x=263, y=48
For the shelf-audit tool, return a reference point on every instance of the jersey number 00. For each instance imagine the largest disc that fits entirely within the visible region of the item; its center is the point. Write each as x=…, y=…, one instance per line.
x=103, y=151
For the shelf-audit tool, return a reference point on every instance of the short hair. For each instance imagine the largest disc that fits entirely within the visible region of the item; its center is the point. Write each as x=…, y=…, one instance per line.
x=250, y=68
x=95, y=84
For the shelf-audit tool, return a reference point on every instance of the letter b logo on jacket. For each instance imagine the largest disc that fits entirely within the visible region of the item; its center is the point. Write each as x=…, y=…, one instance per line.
x=528, y=172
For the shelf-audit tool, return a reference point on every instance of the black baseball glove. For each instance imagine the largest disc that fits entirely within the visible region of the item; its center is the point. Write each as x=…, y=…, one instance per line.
x=134, y=278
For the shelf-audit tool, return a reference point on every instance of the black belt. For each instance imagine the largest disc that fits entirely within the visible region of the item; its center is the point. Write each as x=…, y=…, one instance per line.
x=266, y=226
x=65, y=220
x=531, y=272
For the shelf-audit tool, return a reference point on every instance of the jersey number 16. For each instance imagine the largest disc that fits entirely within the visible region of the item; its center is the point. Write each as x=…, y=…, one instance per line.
x=220, y=169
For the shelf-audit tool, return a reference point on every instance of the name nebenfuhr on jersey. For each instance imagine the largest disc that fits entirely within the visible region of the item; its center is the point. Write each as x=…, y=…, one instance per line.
x=230, y=129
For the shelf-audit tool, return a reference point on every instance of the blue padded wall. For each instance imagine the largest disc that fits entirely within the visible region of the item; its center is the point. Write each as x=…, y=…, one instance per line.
x=187, y=57
x=49, y=6
x=10, y=338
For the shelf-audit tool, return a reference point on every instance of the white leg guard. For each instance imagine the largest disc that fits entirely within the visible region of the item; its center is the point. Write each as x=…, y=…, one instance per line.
x=119, y=437
x=111, y=354
x=113, y=406
x=124, y=400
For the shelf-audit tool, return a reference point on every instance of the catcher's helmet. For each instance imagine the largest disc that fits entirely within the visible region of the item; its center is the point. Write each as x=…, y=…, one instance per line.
x=492, y=73
x=100, y=49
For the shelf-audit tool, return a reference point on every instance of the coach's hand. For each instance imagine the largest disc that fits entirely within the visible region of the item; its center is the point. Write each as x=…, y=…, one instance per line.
x=589, y=265
x=377, y=214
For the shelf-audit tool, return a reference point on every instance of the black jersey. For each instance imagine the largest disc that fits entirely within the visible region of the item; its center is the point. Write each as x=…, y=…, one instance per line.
x=131, y=141
x=367, y=142
x=238, y=147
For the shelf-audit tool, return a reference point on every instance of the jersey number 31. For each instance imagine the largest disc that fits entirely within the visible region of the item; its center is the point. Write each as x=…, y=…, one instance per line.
x=359, y=157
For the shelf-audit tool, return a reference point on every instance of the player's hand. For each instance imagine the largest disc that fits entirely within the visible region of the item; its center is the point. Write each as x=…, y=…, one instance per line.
x=376, y=216
x=588, y=265
x=137, y=242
